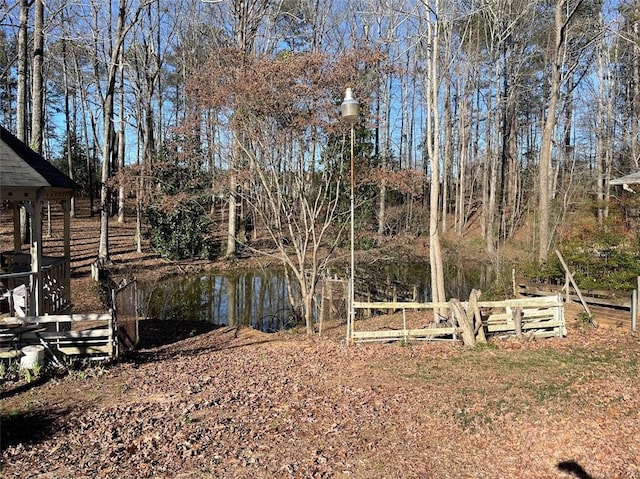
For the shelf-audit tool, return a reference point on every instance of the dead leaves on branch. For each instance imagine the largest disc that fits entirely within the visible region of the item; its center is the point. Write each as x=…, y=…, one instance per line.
x=295, y=90
x=406, y=181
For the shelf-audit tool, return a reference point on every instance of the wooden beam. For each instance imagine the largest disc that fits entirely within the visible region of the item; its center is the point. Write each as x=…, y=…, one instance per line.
x=539, y=302
x=61, y=318
x=397, y=305
x=402, y=333
x=81, y=350
x=575, y=286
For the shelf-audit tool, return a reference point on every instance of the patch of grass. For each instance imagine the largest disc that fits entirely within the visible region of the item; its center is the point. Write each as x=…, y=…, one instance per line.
x=479, y=386
x=469, y=420
x=15, y=412
x=586, y=320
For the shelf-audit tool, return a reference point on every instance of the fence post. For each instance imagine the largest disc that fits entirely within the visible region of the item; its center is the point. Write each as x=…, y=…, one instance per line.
x=634, y=310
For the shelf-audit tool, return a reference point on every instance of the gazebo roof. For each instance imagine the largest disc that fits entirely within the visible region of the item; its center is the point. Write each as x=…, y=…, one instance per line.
x=24, y=174
x=632, y=179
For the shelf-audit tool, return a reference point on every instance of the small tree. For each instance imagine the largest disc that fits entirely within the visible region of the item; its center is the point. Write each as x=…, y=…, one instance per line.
x=294, y=189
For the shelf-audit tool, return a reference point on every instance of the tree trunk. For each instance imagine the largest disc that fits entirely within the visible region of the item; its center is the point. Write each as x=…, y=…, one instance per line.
x=546, y=148
x=601, y=134
x=37, y=93
x=69, y=119
x=233, y=215
x=635, y=98
x=383, y=150
x=21, y=105
x=447, y=155
x=107, y=137
x=121, y=142
x=433, y=135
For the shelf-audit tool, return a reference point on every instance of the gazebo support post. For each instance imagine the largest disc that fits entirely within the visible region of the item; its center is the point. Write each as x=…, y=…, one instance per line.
x=36, y=300
x=17, y=240
x=66, y=208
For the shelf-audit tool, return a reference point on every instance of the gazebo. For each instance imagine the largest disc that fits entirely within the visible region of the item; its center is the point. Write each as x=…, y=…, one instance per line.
x=29, y=181
x=625, y=181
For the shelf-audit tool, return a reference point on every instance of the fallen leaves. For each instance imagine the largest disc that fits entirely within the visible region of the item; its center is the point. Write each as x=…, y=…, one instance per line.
x=227, y=405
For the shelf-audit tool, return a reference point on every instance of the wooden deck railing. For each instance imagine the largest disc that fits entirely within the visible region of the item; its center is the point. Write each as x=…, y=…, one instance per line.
x=56, y=285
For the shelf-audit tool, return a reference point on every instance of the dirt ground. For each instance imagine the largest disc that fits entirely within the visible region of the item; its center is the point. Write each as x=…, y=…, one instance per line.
x=237, y=403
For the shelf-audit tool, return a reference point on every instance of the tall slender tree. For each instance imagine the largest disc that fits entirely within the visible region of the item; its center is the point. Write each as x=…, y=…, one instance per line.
x=432, y=89
x=37, y=91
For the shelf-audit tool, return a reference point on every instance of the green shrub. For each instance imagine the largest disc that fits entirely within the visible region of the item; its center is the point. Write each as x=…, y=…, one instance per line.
x=599, y=257
x=179, y=226
x=180, y=233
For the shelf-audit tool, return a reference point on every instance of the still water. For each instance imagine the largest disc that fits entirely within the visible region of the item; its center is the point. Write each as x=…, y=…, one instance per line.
x=254, y=298
x=260, y=299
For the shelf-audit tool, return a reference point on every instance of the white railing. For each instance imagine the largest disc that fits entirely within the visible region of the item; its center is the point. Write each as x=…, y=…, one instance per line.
x=56, y=287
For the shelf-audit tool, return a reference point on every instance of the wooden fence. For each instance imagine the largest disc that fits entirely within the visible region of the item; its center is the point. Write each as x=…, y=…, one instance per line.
x=75, y=334
x=534, y=317
x=99, y=335
x=609, y=308
x=522, y=318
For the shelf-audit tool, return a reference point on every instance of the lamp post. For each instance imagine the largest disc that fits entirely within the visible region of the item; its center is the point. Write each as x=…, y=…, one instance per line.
x=349, y=111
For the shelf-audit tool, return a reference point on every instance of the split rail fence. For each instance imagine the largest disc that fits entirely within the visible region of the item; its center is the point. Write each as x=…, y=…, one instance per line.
x=470, y=320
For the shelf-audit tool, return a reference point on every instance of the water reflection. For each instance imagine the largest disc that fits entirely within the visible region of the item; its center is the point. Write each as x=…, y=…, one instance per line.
x=412, y=281
x=260, y=299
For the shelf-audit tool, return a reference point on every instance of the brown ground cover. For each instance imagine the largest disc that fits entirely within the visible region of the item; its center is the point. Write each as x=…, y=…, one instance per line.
x=242, y=404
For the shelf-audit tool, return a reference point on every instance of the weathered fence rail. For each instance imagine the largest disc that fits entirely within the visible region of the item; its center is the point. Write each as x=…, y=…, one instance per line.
x=538, y=317
x=438, y=330
x=75, y=334
x=609, y=308
x=527, y=317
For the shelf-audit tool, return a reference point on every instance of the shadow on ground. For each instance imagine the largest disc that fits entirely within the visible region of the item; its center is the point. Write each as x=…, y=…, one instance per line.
x=154, y=333
x=574, y=468
x=18, y=427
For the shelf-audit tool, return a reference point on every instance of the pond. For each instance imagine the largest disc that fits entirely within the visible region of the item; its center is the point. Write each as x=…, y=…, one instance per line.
x=260, y=299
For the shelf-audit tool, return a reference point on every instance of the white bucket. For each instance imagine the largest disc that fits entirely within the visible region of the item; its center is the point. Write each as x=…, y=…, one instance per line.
x=32, y=356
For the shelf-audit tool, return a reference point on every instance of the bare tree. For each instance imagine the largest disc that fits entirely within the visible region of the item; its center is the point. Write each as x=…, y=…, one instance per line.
x=294, y=193
x=21, y=102
x=562, y=20
x=108, y=99
x=604, y=127
x=432, y=89
x=37, y=91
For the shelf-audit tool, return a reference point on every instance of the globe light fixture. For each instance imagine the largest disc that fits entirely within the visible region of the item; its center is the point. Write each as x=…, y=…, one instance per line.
x=349, y=110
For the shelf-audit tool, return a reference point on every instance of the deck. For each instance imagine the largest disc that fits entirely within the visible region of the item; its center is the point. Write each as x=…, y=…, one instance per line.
x=96, y=335
x=17, y=279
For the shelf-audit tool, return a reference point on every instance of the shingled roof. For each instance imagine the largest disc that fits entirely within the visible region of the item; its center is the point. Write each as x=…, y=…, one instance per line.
x=632, y=179
x=23, y=171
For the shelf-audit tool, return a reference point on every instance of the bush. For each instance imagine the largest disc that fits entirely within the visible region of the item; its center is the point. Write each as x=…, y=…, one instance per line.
x=599, y=257
x=179, y=226
x=180, y=233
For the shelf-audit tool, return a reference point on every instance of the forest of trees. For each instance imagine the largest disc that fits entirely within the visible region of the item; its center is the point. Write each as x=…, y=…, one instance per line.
x=491, y=111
